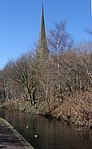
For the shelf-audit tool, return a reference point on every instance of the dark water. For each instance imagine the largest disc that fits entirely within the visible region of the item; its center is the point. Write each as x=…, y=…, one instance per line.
x=52, y=134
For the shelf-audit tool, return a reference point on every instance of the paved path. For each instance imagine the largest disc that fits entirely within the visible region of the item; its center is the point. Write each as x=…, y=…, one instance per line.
x=10, y=138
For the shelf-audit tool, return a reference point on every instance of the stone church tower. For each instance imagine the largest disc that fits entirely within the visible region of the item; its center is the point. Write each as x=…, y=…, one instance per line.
x=42, y=49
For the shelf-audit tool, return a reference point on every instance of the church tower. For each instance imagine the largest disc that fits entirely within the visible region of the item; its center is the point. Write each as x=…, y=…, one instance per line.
x=42, y=49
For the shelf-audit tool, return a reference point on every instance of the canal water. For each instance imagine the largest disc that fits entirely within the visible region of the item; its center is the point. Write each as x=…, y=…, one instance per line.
x=52, y=134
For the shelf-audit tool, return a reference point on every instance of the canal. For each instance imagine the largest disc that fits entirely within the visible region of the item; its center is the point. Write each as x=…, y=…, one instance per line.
x=52, y=134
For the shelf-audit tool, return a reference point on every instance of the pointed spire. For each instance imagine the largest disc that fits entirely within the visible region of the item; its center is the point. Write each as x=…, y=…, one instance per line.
x=42, y=49
x=42, y=29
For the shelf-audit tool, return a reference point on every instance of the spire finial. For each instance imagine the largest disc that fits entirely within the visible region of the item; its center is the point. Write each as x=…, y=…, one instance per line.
x=42, y=2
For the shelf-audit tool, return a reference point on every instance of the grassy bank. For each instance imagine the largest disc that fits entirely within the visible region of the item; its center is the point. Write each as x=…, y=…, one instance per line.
x=74, y=108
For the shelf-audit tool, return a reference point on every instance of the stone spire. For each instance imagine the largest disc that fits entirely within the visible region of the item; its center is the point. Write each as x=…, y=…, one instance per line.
x=42, y=49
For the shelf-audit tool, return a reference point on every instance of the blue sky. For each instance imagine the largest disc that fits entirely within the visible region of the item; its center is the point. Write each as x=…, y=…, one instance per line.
x=20, y=23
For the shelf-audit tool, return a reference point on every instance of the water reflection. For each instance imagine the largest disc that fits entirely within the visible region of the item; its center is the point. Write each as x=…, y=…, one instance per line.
x=52, y=134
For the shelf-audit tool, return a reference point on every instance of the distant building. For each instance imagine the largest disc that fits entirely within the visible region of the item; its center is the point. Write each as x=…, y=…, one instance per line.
x=42, y=48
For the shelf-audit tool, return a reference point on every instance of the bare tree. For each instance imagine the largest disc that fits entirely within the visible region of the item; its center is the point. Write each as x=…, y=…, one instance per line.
x=59, y=40
x=89, y=31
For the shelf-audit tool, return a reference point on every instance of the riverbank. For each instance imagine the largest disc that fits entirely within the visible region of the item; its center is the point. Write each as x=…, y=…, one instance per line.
x=10, y=138
x=74, y=108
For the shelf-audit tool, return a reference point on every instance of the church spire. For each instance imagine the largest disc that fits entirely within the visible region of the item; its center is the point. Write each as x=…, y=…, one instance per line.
x=42, y=49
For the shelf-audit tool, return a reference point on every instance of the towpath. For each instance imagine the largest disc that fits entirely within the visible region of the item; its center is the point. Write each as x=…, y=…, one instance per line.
x=10, y=138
